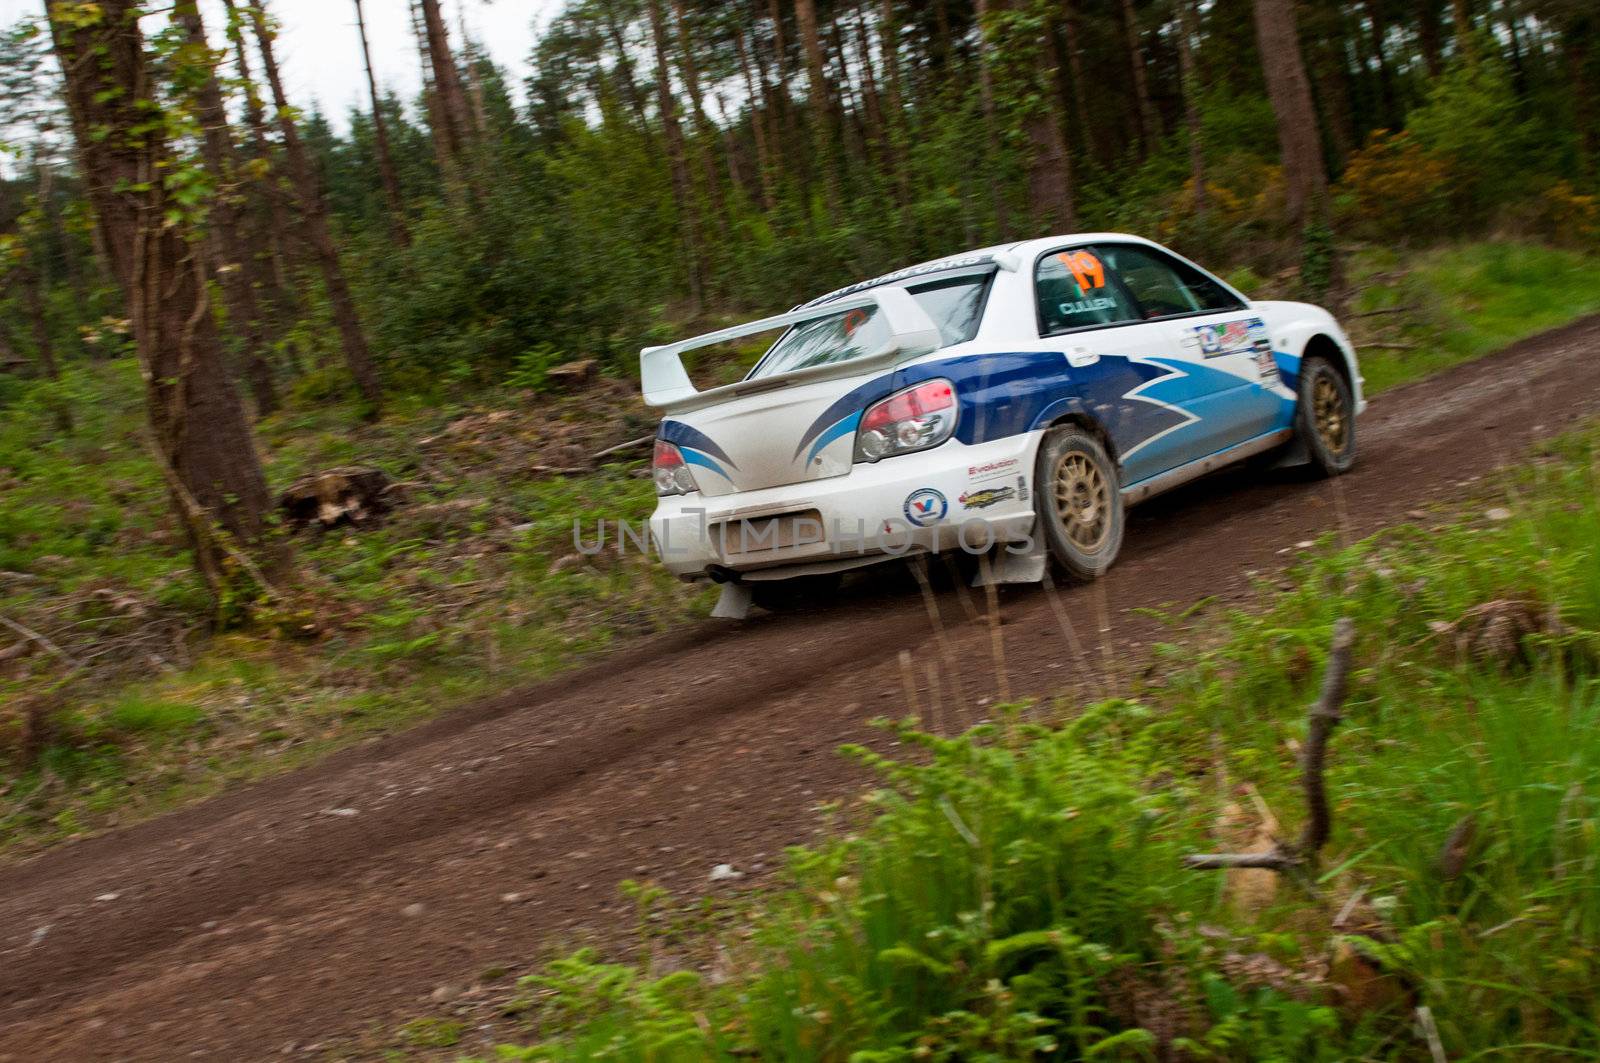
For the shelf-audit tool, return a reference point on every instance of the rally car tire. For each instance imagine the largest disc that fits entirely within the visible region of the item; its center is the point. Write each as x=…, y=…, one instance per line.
x=1078, y=498
x=1325, y=418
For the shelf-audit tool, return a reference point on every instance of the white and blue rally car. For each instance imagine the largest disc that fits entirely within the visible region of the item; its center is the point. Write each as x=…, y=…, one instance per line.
x=1015, y=399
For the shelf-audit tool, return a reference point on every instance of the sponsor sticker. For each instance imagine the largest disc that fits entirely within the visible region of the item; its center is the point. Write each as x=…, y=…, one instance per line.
x=993, y=470
x=1231, y=337
x=1267, y=367
x=989, y=496
x=925, y=506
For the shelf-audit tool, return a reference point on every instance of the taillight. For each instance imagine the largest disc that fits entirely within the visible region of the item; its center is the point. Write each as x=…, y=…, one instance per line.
x=914, y=419
x=671, y=472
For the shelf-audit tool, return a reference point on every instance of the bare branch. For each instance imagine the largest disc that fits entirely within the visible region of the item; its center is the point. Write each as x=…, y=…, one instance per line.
x=31, y=635
x=1323, y=717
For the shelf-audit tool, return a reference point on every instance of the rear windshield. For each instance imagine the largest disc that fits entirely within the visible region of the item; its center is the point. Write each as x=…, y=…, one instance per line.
x=955, y=304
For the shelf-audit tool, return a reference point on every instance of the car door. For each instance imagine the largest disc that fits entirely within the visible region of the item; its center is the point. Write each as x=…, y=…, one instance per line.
x=1223, y=374
x=1114, y=357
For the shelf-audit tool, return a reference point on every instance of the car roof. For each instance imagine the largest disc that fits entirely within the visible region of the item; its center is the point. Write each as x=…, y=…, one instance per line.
x=1007, y=256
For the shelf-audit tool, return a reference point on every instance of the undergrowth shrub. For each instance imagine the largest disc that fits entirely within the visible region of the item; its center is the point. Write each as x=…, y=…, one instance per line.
x=1017, y=892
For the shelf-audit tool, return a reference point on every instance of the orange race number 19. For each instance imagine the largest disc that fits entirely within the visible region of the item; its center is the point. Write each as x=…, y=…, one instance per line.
x=1086, y=269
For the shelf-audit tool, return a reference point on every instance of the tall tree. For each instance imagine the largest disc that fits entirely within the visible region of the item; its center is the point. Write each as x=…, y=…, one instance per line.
x=759, y=116
x=201, y=437
x=453, y=109
x=683, y=196
x=269, y=222
x=395, y=203
x=237, y=267
x=823, y=134
x=1305, y=179
x=314, y=214
x=1190, y=75
x=1149, y=125
x=705, y=135
x=991, y=120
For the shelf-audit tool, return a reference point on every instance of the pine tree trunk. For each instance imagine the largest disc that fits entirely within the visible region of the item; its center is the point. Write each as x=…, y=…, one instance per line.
x=444, y=156
x=630, y=85
x=870, y=99
x=70, y=263
x=236, y=266
x=469, y=62
x=1461, y=12
x=1576, y=45
x=1191, y=105
x=380, y=134
x=1333, y=97
x=43, y=348
x=705, y=134
x=1388, y=106
x=201, y=437
x=759, y=114
x=1149, y=125
x=1304, y=178
x=677, y=163
x=26, y=272
x=823, y=136
x=1428, y=38
x=1050, y=183
x=894, y=101
x=788, y=142
x=314, y=212
x=991, y=122
x=1080, y=84
x=264, y=236
x=446, y=80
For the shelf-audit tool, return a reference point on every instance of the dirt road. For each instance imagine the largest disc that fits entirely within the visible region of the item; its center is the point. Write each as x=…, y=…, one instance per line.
x=352, y=896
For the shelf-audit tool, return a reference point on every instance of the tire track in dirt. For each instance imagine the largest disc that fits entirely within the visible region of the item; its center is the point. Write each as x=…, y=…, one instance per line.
x=317, y=903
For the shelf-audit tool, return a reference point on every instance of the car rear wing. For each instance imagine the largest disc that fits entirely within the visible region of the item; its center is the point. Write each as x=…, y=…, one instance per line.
x=912, y=333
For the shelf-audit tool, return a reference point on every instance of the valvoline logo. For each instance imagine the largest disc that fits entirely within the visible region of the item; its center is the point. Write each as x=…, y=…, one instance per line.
x=925, y=506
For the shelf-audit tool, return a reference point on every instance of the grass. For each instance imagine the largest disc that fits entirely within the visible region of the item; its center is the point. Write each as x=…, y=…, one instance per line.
x=451, y=599
x=1016, y=892
x=1465, y=302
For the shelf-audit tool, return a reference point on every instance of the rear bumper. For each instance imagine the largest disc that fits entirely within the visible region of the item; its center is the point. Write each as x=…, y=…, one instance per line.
x=951, y=497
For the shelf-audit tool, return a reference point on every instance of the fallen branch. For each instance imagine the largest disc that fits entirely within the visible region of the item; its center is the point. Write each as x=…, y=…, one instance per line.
x=30, y=635
x=1384, y=310
x=1389, y=346
x=1323, y=718
x=629, y=445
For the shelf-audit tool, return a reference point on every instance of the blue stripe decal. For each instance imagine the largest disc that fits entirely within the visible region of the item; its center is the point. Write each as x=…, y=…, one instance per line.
x=695, y=457
x=1158, y=412
x=682, y=436
x=1137, y=400
x=844, y=427
x=1289, y=369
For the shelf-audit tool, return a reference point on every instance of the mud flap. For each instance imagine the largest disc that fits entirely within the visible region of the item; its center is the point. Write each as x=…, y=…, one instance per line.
x=1009, y=566
x=733, y=603
x=1292, y=455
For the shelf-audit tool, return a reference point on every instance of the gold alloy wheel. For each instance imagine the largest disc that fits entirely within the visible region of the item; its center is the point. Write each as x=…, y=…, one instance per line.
x=1327, y=406
x=1083, y=501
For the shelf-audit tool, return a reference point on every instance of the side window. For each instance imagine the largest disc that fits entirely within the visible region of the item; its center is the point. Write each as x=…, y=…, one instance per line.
x=1074, y=291
x=1165, y=286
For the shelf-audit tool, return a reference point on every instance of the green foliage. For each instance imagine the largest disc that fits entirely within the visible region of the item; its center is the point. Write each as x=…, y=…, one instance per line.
x=1467, y=301
x=1017, y=890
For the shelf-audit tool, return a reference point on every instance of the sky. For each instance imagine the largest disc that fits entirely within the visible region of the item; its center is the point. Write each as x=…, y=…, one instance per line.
x=321, y=54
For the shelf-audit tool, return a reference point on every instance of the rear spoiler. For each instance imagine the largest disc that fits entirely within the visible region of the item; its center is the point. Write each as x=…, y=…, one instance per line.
x=912, y=334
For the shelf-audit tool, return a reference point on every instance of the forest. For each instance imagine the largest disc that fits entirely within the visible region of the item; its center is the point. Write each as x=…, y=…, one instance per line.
x=662, y=162
x=213, y=293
